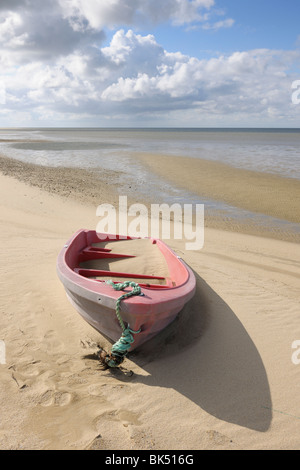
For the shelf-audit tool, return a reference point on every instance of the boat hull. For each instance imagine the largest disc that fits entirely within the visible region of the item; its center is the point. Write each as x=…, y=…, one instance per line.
x=96, y=301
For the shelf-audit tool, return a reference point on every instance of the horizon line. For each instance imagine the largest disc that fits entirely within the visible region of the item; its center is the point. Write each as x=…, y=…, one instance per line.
x=148, y=127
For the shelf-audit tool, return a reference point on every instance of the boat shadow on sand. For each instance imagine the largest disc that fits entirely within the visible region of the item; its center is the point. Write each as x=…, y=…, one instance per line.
x=207, y=355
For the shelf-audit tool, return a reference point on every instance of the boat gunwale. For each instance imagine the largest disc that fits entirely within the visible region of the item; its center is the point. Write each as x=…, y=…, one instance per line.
x=95, y=282
x=92, y=288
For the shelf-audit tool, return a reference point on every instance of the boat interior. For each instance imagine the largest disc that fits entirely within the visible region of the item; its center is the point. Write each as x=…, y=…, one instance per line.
x=121, y=260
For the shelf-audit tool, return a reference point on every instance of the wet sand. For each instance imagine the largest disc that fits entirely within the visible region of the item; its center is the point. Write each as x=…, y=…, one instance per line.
x=74, y=183
x=260, y=193
x=254, y=191
x=220, y=377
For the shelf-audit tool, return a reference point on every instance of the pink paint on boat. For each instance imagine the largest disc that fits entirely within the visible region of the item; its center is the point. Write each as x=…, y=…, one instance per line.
x=95, y=300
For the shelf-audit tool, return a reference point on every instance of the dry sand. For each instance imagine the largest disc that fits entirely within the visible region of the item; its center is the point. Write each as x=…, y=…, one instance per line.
x=146, y=260
x=220, y=377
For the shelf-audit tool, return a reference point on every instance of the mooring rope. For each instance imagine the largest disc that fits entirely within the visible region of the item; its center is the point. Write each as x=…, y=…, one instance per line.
x=120, y=349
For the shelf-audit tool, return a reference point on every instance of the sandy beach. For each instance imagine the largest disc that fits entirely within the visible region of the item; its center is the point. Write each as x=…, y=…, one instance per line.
x=220, y=377
x=254, y=191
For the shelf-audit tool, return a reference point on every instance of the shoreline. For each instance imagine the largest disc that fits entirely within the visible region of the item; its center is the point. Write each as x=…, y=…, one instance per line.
x=259, y=192
x=219, y=378
x=74, y=183
x=95, y=188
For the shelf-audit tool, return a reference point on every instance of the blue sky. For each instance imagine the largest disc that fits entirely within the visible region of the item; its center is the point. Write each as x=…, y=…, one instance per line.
x=271, y=24
x=193, y=63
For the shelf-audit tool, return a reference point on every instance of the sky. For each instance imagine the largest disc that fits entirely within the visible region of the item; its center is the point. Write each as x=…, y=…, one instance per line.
x=149, y=63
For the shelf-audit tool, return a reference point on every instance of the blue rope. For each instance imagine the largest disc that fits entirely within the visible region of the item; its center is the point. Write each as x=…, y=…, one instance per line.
x=121, y=347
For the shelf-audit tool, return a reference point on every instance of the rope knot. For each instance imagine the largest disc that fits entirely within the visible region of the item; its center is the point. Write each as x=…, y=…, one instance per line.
x=121, y=347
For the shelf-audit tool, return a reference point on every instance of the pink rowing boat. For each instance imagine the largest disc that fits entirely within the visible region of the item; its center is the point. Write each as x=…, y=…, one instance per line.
x=163, y=297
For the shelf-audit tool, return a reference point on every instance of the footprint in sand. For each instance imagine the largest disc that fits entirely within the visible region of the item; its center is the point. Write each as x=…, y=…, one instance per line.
x=100, y=389
x=116, y=425
x=51, y=344
x=52, y=398
x=217, y=438
x=128, y=418
x=46, y=398
x=27, y=368
x=62, y=398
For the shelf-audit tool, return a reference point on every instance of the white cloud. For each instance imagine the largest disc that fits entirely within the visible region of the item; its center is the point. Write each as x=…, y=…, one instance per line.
x=135, y=76
x=52, y=64
x=10, y=25
x=176, y=76
x=227, y=23
x=190, y=11
x=133, y=53
x=37, y=30
x=101, y=14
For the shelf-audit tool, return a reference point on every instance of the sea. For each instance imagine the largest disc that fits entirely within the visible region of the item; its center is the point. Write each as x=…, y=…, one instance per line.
x=273, y=151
